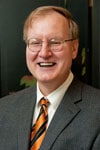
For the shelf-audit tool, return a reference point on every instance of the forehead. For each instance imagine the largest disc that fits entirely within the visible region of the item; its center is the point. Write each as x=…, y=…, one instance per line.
x=50, y=22
x=49, y=16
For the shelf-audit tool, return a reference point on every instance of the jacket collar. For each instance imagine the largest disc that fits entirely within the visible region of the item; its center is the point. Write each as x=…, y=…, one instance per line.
x=64, y=115
x=25, y=118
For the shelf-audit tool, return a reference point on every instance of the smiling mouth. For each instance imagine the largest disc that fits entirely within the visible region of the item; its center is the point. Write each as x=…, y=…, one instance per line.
x=46, y=64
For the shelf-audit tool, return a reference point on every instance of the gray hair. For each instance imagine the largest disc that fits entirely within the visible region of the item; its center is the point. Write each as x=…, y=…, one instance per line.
x=44, y=10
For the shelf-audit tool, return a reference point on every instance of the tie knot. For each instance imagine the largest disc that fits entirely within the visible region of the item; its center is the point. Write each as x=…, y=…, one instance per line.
x=44, y=102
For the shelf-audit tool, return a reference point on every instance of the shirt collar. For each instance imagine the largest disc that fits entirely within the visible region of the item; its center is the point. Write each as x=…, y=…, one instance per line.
x=56, y=96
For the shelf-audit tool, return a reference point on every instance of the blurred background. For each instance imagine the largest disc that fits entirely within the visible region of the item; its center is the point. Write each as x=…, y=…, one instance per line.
x=14, y=74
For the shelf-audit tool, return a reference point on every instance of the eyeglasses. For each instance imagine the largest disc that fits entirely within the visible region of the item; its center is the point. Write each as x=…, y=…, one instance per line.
x=55, y=45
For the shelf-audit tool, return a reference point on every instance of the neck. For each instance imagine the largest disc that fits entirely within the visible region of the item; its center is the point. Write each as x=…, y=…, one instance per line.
x=47, y=88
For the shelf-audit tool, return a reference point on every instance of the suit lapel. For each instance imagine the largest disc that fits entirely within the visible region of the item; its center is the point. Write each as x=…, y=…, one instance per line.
x=25, y=119
x=64, y=115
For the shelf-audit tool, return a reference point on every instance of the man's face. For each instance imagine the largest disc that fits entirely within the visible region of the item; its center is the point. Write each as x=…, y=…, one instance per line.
x=48, y=66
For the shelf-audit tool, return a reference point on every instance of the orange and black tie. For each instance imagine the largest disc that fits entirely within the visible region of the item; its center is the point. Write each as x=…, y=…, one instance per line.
x=39, y=128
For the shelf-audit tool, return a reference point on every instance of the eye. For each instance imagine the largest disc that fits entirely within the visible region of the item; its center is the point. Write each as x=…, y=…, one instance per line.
x=34, y=43
x=54, y=42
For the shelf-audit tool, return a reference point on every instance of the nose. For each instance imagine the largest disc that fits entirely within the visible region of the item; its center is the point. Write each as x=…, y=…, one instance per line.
x=45, y=50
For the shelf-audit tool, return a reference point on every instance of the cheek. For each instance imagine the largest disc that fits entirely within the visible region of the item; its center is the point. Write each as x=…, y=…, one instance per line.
x=67, y=56
x=30, y=59
x=66, y=60
x=29, y=56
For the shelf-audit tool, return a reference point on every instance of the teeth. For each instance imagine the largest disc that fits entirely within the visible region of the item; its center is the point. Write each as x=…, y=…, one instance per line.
x=46, y=64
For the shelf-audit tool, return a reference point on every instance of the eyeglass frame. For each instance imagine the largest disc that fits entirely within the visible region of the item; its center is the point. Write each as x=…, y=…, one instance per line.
x=50, y=43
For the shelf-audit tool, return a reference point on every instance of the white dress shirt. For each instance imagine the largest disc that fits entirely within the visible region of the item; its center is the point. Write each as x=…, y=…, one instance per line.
x=54, y=99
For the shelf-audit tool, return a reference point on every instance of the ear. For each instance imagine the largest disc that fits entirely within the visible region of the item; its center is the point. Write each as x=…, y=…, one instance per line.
x=75, y=45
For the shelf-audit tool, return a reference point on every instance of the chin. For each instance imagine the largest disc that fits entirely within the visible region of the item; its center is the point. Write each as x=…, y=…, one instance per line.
x=46, y=80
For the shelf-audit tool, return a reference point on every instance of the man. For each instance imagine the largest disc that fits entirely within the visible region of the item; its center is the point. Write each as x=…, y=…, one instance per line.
x=72, y=109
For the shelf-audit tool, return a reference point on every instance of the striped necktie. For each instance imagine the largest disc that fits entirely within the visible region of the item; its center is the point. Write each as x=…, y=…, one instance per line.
x=39, y=128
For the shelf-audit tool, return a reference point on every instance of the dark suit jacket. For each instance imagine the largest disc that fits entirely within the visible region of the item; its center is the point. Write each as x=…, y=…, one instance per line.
x=75, y=126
